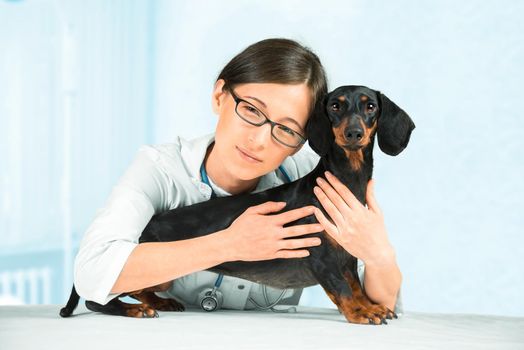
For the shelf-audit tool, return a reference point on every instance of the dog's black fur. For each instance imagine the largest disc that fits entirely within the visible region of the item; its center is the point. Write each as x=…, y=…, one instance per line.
x=341, y=130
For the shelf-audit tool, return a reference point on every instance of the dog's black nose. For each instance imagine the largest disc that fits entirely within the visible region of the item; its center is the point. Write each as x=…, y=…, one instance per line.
x=354, y=134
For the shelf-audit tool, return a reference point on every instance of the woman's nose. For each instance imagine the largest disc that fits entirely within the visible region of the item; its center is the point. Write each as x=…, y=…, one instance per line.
x=260, y=135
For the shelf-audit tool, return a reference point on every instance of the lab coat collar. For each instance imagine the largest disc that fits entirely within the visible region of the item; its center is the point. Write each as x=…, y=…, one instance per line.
x=193, y=153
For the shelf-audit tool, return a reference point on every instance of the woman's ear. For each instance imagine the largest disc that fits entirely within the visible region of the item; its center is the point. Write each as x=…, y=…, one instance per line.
x=217, y=97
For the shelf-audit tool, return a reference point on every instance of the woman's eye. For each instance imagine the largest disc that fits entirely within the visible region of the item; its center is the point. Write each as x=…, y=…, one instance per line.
x=286, y=130
x=251, y=110
x=335, y=107
x=371, y=107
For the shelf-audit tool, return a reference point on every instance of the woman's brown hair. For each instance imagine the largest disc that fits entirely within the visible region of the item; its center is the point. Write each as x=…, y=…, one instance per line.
x=281, y=61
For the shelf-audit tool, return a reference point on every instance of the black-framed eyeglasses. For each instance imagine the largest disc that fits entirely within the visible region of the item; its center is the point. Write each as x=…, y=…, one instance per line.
x=280, y=132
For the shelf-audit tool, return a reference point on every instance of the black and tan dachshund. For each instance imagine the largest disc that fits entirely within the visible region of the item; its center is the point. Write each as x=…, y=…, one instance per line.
x=342, y=131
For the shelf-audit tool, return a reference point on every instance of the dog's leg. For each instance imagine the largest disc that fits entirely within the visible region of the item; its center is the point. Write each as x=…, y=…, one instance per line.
x=341, y=295
x=347, y=295
x=119, y=308
x=157, y=303
x=147, y=296
x=379, y=312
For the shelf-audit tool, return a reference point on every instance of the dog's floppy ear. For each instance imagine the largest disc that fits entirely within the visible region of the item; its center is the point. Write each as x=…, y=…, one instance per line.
x=394, y=127
x=318, y=129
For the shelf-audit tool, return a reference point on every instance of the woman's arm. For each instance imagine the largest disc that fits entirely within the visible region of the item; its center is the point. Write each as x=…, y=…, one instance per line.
x=254, y=235
x=382, y=279
x=150, y=264
x=361, y=231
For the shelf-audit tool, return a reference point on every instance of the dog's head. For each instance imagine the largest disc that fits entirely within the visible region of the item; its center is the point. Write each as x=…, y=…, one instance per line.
x=349, y=117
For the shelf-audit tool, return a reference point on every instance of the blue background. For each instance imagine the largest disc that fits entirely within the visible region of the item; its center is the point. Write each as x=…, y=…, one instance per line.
x=84, y=83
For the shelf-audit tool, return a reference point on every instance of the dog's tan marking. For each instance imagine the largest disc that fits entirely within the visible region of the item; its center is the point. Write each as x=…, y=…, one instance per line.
x=139, y=310
x=355, y=158
x=364, y=98
x=338, y=131
x=378, y=311
x=332, y=296
x=349, y=307
x=368, y=132
x=356, y=307
x=156, y=302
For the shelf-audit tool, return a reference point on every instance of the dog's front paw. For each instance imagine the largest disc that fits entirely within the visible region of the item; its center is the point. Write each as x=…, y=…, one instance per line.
x=361, y=315
x=367, y=313
x=377, y=314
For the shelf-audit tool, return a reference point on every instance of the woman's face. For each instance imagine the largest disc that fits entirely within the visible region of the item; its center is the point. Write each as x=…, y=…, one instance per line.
x=247, y=151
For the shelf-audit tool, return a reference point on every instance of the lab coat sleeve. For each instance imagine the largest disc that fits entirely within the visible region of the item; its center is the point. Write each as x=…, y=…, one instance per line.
x=114, y=232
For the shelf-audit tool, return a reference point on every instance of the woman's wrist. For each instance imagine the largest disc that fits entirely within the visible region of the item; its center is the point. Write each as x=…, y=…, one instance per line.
x=225, y=248
x=382, y=257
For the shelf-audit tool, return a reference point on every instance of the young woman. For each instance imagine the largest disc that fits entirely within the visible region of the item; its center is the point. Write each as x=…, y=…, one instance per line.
x=279, y=82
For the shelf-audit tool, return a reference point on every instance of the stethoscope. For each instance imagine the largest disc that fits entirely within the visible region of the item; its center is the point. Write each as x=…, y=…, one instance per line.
x=211, y=298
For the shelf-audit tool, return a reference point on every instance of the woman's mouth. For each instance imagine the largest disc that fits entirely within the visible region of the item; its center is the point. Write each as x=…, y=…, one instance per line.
x=247, y=156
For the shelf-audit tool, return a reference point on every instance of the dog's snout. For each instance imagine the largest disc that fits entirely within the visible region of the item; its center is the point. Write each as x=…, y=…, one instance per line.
x=354, y=134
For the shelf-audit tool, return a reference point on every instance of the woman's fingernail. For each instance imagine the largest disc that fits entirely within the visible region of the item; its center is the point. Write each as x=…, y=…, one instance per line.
x=320, y=181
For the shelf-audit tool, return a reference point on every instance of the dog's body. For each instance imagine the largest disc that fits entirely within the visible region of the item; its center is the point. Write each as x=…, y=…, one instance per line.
x=218, y=214
x=342, y=133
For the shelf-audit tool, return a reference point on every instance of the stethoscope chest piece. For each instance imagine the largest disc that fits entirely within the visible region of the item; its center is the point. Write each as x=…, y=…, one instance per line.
x=210, y=299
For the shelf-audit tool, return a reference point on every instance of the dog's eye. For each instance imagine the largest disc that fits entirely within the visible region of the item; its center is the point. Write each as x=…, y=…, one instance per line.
x=371, y=107
x=335, y=107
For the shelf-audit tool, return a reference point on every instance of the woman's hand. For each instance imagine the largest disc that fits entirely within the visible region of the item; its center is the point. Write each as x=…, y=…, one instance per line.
x=254, y=235
x=358, y=229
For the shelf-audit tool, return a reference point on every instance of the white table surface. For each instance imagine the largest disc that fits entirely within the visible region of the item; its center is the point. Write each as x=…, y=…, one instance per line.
x=40, y=327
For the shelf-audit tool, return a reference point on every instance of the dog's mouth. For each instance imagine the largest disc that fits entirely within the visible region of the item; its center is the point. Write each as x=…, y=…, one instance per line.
x=353, y=146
